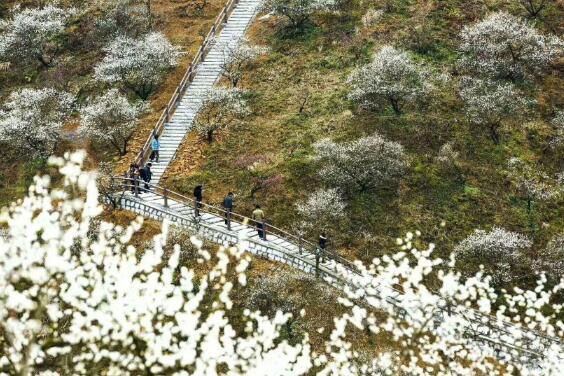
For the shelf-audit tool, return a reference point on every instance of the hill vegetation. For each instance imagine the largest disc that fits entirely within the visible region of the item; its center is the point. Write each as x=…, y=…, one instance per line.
x=414, y=114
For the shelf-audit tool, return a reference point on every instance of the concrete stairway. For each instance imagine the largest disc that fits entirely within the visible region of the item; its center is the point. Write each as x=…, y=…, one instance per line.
x=207, y=73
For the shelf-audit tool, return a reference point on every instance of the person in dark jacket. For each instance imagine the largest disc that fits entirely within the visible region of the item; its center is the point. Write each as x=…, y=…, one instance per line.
x=322, y=245
x=198, y=197
x=146, y=175
x=134, y=177
x=228, y=207
x=322, y=241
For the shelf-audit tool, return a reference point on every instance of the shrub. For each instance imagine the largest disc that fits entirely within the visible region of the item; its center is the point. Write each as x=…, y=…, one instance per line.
x=137, y=64
x=362, y=165
x=503, y=46
x=32, y=120
x=392, y=77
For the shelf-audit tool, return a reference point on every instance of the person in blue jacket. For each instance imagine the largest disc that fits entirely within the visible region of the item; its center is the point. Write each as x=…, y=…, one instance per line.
x=155, y=145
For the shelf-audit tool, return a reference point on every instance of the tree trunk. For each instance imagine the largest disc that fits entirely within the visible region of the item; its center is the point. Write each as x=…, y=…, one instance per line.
x=494, y=133
x=210, y=136
x=395, y=105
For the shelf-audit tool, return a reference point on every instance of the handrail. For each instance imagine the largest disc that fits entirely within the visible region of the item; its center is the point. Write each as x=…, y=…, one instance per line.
x=501, y=325
x=129, y=183
x=188, y=77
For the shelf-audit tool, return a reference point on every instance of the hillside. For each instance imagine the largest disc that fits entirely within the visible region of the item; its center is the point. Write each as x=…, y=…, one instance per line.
x=424, y=139
x=298, y=95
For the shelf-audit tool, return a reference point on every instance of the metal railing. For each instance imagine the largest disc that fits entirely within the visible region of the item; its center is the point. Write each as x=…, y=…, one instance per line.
x=305, y=247
x=188, y=77
x=136, y=185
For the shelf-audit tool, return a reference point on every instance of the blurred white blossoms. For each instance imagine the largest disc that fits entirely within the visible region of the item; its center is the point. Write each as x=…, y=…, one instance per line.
x=73, y=294
x=76, y=297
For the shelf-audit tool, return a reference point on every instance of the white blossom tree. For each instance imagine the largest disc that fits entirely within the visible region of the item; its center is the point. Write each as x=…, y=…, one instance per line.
x=298, y=12
x=236, y=56
x=138, y=64
x=29, y=35
x=503, y=46
x=449, y=158
x=75, y=297
x=362, y=165
x=551, y=258
x=489, y=104
x=110, y=118
x=391, y=77
x=322, y=209
x=499, y=251
x=220, y=108
x=557, y=141
x=129, y=17
x=32, y=120
x=531, y=182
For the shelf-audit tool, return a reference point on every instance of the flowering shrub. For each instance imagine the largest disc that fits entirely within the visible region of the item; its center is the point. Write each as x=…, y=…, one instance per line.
x=488, y=103
x=504, y=46
x=111, y=119
x=392, y=77
x=531, y=182
x=322, y=208
x=498, y=250
x=236, y=56
x=75, y=296
x=123, y=17
x=371, y=17
x=557, y=141
x=32, y=120
x=551, y=258
x=219, y=108
x=298, y=12
x=27, y=35
x=138, y=64
x=361, y=165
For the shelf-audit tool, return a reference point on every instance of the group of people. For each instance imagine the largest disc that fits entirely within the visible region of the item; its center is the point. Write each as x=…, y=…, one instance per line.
x=137, y=174
x=258, y=216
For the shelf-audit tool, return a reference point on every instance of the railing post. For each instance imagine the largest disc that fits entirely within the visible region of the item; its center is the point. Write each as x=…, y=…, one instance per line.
x=167, y=114
x=166, y=198
x=135, y=186
x=317, y=263
x=300, y=245
x=225, y=15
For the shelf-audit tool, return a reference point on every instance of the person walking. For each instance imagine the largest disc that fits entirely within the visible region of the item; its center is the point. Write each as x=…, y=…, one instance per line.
x=228, y=208
x=146, y=175
x=258, y=217
x=156, y=146
x=134, y=177
x=322, y=245
x=198, y=197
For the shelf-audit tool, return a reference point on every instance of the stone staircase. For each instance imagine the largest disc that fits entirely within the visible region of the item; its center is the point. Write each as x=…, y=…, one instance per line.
x=207, y=74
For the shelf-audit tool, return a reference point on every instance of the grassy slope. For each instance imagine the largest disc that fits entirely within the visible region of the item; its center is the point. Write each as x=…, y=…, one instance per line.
x=319, y=62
